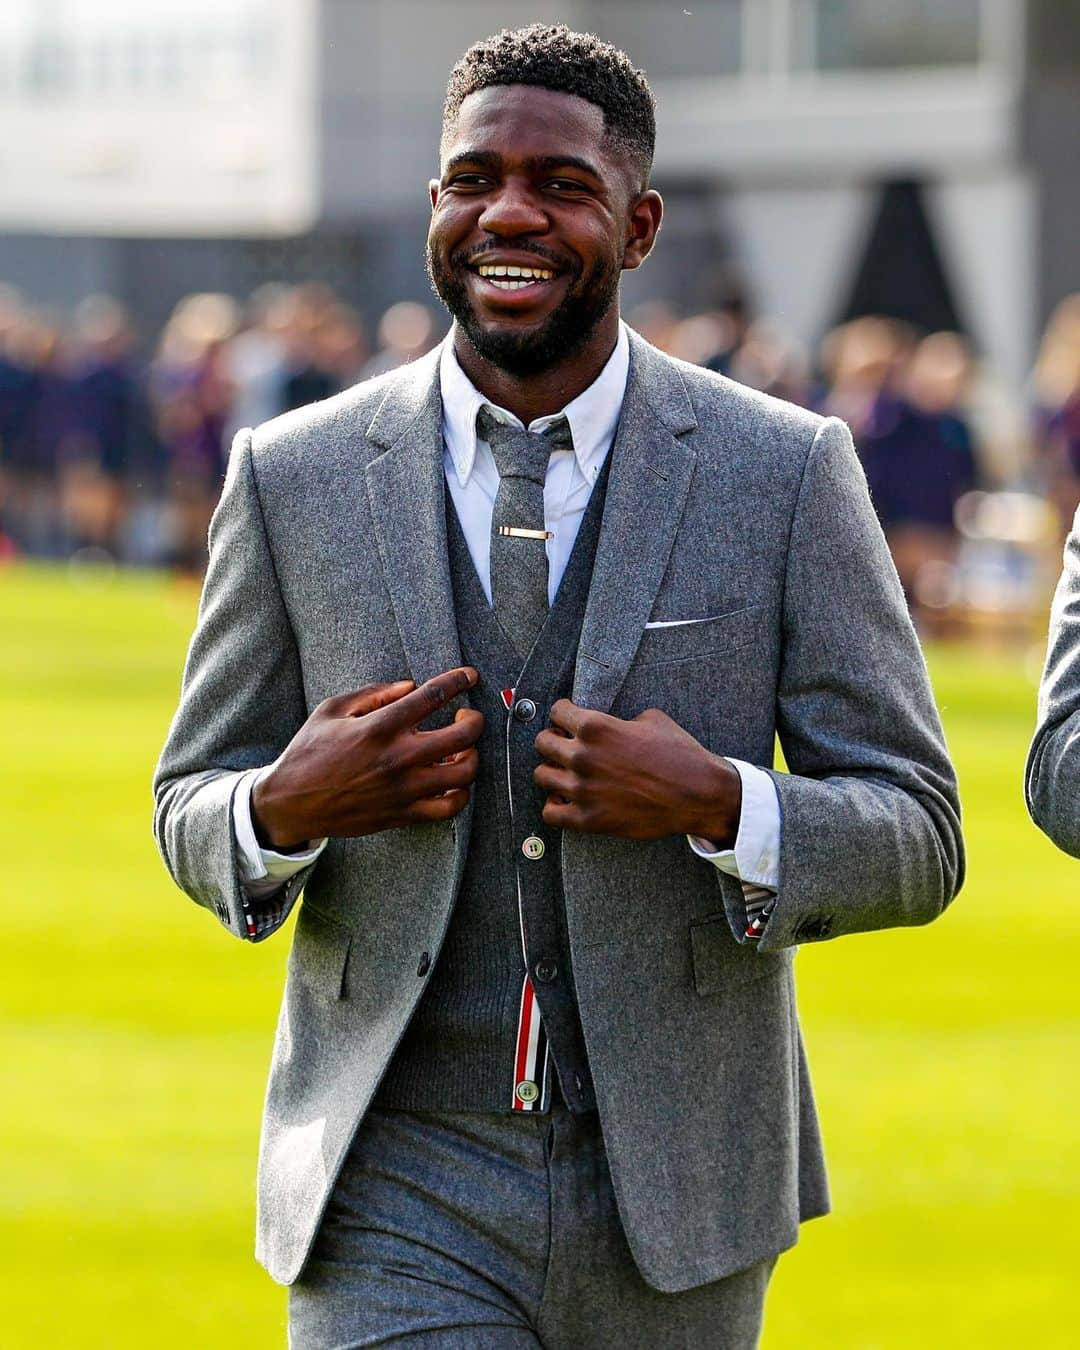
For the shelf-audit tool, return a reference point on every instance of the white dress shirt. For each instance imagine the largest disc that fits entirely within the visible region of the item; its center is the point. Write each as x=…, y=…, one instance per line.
x=473, y=481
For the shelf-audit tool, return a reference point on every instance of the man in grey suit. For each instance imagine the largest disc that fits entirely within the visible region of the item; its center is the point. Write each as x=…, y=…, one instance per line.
x=538, y=1076
x=1052, y=782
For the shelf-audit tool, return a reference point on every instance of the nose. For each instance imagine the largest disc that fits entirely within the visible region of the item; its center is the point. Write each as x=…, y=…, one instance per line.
x=512, y=210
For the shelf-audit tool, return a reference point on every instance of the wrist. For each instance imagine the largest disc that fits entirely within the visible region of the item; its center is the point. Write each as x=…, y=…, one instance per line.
x=272, y=828
x=717, y=806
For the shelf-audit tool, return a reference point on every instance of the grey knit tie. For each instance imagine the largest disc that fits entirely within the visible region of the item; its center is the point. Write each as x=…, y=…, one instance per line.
x=519, y=570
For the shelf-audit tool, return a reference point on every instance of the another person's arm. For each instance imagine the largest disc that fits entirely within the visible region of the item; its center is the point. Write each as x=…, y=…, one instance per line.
x=1052, y=781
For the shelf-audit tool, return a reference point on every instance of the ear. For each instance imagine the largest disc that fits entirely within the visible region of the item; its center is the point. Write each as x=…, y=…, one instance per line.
x=642, y=226
x=433, y=191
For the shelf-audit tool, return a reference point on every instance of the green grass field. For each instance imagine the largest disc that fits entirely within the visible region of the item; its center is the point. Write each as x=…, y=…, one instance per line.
x=134, y=1037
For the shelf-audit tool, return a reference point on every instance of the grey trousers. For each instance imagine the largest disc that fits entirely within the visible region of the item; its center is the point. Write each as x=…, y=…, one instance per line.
x=463, y=1231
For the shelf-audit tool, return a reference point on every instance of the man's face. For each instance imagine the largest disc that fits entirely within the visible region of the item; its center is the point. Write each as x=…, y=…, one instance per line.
x=530, y=225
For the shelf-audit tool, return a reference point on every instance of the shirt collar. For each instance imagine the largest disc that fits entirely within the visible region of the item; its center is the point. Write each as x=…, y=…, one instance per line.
x=593, y=415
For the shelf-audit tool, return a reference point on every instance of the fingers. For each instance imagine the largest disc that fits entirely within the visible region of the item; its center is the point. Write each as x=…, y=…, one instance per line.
x=558, y=749
x=569, y=717
x=571, y=731
x=470, y=757
x=558, y=782
x=360, y=701
x=471, y=718
x=564, y=815
x=436, y=808
x=444, y=743
x=435, y=779
x=432, y=695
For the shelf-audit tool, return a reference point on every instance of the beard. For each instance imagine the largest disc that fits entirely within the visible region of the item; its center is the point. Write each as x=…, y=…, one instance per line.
x=560, y=337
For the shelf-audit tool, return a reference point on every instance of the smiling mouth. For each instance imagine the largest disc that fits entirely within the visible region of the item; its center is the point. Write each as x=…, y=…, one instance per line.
x=508, y=277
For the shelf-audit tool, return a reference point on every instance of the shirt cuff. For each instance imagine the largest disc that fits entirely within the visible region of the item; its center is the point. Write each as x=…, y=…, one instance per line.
x=262, y=870
x=755, y=859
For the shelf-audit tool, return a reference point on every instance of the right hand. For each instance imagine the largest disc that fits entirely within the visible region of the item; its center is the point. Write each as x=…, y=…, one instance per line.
x=359, y=764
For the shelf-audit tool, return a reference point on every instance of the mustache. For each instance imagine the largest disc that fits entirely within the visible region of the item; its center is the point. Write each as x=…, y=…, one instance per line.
x=467, y=257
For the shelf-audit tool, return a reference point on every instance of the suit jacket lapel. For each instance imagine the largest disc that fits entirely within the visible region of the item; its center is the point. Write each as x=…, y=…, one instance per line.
x=647, y=489
x=406, y=486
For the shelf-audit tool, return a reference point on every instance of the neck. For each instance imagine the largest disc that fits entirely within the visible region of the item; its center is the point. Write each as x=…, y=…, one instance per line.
x=548, y=391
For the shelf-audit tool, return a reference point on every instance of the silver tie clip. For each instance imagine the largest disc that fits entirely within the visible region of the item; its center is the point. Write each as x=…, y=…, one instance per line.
x=514, y=533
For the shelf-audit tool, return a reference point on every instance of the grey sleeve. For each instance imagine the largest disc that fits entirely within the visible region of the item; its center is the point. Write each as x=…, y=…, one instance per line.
x=1052, y=781
x=870, y=814
x=241, y=701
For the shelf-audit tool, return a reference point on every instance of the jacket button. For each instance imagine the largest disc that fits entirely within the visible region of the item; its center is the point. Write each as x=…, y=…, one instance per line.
x=533, y=848
x=424, y=964
x=526, y=1091
x=546, y=971
x=524, y=709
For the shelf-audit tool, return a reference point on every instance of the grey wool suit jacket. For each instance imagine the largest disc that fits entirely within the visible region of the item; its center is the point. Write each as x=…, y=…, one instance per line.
x=328, y=571
x=1052, y=782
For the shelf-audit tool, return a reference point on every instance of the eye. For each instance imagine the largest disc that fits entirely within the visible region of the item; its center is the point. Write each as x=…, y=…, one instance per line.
x=468, y=180
x=564, y=185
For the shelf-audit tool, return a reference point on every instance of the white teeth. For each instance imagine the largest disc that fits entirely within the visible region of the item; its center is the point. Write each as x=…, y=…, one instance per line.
x=492, y=271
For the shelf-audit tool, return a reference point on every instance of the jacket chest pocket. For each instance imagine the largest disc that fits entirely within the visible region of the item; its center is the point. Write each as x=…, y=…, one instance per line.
x=690, y=670
x=667, y=641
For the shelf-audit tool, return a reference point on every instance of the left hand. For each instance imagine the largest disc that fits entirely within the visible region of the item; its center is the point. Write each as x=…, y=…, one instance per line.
x=638, y=779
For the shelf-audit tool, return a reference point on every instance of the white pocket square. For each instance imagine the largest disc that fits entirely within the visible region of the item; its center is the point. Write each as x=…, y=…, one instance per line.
x=681, y=623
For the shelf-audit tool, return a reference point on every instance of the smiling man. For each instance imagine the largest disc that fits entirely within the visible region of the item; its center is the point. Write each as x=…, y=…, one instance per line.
x=491, y=659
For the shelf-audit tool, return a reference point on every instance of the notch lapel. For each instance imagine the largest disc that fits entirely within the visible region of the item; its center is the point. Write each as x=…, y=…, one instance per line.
x=406, y=487
x=647, y=489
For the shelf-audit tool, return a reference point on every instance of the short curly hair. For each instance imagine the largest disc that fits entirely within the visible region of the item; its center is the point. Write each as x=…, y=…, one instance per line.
x=555, y=57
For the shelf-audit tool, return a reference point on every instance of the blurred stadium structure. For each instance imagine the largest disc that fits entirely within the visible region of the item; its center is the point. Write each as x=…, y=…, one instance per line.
x=871, y=209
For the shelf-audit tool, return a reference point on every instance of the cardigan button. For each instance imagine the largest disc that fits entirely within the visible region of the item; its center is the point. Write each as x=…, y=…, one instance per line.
x=524, y=710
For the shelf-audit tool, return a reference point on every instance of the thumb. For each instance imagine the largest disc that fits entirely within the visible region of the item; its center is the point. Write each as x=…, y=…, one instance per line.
x=460, y=754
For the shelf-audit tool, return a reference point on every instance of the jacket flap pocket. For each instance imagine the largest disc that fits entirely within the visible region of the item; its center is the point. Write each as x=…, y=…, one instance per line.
x=719, y=634
x=320, y=953
x=721, y=963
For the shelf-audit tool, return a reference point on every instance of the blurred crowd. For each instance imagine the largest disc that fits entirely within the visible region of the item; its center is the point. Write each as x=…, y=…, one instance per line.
x=113, y=449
